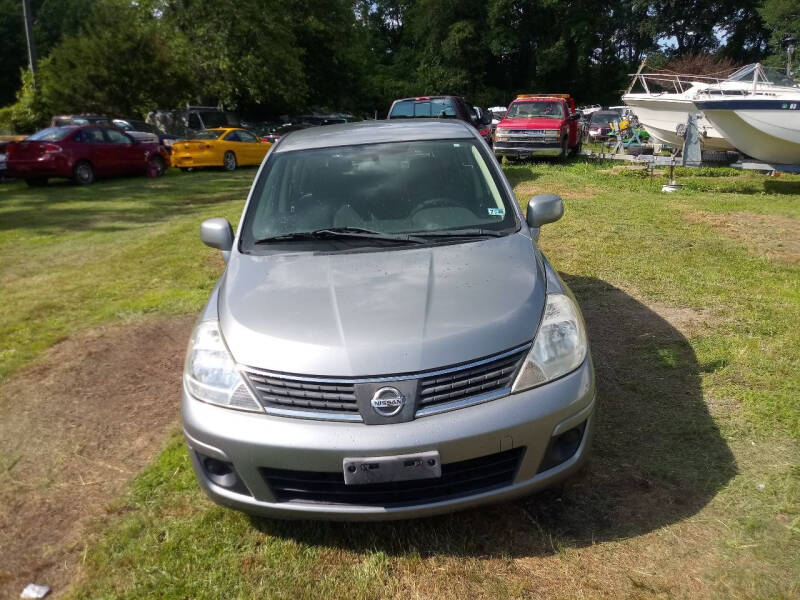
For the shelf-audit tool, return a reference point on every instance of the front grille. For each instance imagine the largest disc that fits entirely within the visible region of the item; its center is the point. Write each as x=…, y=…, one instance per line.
x=489, y=377
x=330, y=398
x=464, y=478
x=281, y=392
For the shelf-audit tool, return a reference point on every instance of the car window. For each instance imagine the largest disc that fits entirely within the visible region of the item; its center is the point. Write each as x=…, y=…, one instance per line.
x=400, y=187
x=404, y=108
x=246, y=136
x=603, y=117
x=233, y=136
x=208, y=134
x=539, y=109
x=93, y=135
x=194, y=121
x=51, y=134
x=117, y=137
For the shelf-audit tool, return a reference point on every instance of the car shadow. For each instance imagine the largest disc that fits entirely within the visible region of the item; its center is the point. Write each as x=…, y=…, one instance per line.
x=658, y=456
x=118, y=203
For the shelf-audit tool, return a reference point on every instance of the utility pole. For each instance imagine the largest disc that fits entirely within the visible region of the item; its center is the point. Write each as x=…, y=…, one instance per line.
x=26, y=11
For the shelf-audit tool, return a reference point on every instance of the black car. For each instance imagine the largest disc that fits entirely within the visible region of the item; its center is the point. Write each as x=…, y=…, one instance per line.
x=442, y=107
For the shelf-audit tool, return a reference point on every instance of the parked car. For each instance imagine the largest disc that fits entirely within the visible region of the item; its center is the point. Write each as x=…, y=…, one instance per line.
x=82, y=153
x=186, y=122
x=441, y=107
x=363, y=356
x=599, y=124
x=227, y=147
x=142, y=130
x=284, y=130
x=539, y=125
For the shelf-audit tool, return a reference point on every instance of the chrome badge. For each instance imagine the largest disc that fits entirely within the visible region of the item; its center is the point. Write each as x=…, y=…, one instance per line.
x=387, y=401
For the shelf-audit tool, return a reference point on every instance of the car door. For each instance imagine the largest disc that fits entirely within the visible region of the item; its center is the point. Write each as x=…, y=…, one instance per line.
x=252, y=147
x=233, y=141
x=99, y=150
x=126, y=155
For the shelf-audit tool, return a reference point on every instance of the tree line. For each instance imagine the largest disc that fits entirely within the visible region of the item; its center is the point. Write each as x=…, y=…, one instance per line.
x=270, y=57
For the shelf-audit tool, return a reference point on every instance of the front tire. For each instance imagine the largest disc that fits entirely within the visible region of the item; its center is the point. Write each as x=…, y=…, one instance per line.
x=564, y=150
x=83, y=173
x=229, y=161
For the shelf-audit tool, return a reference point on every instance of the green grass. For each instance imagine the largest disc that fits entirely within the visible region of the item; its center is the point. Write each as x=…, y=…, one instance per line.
x=693, y=491
x=72, y=257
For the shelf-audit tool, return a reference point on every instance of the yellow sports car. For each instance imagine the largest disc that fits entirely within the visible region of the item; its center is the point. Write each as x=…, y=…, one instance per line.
x=226, y=147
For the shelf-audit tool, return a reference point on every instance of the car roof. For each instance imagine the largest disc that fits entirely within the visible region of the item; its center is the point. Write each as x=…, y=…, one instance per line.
x=374, y=132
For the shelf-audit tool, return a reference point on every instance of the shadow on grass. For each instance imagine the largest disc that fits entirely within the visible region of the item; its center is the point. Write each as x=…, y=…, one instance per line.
x=658, y=457
x=118, y=203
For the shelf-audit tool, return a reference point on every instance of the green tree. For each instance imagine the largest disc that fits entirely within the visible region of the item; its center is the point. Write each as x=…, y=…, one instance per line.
x=120, y=63
x=782, y=18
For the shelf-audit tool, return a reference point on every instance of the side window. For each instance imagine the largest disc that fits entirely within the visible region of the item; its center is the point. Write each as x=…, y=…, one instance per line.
x=402, y=109
x=93, y=135
x=233, y=136
x=117, y=137
x=246, y=136
x=194, y=121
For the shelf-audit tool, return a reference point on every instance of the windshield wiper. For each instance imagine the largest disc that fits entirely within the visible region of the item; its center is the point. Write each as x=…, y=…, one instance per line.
x=475, y=232
x=329, y=233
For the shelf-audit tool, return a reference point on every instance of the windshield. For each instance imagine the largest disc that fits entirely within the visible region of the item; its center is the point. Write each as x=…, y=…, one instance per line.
x=540, y=109
x=208, y=134
x=51, y=134
x=393, y=188
x=604, y=117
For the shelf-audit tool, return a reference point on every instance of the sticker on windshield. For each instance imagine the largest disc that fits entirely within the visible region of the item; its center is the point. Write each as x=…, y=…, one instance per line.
x=497, y=212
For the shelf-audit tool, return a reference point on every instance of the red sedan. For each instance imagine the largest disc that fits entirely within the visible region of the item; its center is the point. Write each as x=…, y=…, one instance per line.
x=82, y=154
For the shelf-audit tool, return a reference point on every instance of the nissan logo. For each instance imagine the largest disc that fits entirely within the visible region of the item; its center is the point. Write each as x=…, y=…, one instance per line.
x=387, y=401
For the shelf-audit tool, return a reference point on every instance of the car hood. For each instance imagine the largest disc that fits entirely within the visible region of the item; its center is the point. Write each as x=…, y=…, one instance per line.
x=521, y=123
x=381, y=312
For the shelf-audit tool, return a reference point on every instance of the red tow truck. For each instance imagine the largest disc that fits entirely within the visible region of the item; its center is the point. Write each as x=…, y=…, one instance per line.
x=539, y=125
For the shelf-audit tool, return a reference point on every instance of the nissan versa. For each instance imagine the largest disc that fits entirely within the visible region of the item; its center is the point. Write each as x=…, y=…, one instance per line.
x=387, y=340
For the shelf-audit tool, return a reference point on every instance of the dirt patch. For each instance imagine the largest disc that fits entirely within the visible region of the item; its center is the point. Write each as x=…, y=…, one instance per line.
x=74, y=429
x=769, y=235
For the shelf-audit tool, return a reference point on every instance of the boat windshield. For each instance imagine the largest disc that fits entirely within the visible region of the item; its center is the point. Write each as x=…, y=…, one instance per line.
x=765, y=75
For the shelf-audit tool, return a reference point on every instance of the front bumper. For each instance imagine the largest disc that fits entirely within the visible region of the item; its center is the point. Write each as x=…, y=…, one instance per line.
x=252, y=442
x=526, y=149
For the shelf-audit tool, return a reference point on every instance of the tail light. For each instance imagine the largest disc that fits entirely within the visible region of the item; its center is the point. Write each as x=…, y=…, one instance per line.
x=484, y=131
x=208, y=146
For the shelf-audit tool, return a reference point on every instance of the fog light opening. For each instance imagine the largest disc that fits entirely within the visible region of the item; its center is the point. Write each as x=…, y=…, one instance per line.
x=222, y=473
x=563, y=447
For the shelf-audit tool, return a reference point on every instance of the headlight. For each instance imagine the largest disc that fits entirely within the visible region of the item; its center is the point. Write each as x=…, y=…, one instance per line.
x=210, y=374
x=560, y=345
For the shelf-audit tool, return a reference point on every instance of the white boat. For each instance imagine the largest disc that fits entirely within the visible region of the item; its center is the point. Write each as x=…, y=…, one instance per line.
x=668, y=99
x=763, y=121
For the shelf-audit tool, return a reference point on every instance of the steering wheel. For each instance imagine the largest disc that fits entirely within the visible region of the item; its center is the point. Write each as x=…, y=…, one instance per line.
x=434, y=203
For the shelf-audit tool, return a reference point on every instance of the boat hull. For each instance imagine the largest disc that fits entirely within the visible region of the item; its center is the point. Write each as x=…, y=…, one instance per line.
x=662, y=116
x=767, y=130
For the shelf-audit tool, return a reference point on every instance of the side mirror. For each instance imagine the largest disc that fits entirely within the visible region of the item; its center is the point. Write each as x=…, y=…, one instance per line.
x=543, y=209
x=218, y=234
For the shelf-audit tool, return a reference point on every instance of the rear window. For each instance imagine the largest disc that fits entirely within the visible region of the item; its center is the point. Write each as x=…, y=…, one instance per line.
x=416, y=109
x=51, y=134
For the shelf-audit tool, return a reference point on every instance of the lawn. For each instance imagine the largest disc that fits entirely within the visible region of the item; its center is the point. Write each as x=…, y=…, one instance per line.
x=692, y=301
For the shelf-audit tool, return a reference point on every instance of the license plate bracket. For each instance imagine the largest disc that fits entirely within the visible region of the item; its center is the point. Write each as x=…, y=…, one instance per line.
x=363, y=470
